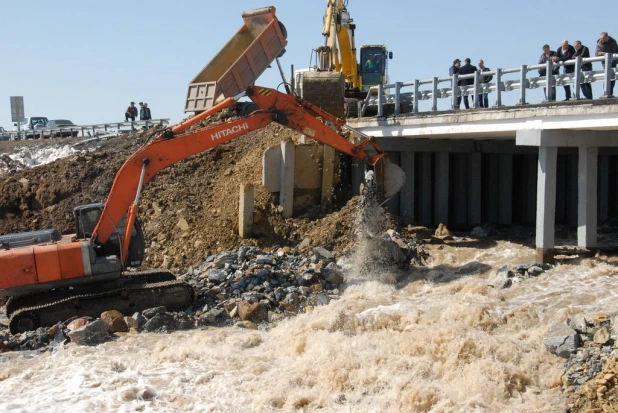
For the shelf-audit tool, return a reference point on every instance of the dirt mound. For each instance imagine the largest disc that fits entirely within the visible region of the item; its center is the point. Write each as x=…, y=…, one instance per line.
x=189, y=210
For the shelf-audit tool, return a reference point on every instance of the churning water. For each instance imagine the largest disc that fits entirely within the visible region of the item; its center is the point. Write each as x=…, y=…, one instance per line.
x=440, y=340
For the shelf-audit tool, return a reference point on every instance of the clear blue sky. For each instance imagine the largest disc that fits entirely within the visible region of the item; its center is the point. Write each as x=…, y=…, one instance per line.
x=86, y=61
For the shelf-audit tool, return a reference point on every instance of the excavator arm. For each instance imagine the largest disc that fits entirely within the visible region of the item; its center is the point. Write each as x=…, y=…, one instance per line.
x=177, y=143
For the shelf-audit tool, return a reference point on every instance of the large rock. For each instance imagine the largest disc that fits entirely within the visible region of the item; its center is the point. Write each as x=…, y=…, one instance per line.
x=77, y=323
x=160, y=322
x=151, y=312
x=252, y=312
x=93, y=333
x=217, y=276
x=561, y=340
x=602, y=336
x=115, y=321
x=503, y=278
x=323, y=254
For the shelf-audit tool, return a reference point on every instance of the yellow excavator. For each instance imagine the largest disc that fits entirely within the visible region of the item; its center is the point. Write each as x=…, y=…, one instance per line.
x=339, y=81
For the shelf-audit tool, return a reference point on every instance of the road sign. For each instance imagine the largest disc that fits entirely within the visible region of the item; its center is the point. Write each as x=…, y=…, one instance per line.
x=17, y=108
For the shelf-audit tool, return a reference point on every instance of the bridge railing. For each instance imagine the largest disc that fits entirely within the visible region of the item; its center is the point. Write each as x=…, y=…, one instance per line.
x=394, y=93
x=85, y=130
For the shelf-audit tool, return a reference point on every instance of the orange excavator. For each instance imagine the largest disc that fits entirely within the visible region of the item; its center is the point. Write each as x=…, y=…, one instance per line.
x=49, y=278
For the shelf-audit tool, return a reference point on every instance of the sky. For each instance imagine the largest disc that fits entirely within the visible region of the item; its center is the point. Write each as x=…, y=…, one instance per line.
x=85, y=60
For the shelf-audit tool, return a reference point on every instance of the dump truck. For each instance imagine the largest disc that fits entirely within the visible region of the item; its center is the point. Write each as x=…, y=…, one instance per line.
x=260, y=40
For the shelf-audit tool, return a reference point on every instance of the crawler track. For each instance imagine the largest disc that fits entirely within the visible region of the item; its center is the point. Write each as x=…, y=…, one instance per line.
x=127, y=295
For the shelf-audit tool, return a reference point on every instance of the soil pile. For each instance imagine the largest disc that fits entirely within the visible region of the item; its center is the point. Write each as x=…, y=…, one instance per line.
x=189, y=210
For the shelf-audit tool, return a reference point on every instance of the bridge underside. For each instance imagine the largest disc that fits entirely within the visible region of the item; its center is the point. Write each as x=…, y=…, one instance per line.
x=531, y=171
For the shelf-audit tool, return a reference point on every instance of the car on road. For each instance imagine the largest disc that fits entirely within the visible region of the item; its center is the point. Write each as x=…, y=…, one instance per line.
x=31, y=126
x=60, y=128
x=4, y=134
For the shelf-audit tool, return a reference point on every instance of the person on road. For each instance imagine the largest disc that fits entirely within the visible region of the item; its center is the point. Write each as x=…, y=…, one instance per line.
x=131, y=113
x=483, y=103
x=583, y=52
x=548, y=55
x=566, y=52
x=144, y=113
x=467, y=69
x=455, y=70
x=607, y=44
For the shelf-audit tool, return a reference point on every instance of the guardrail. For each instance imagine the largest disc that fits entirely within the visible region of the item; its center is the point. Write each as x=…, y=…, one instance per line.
x=86, y=130
x=377, y=95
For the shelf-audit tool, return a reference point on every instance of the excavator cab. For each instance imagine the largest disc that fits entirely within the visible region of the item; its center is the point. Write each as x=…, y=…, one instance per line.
x=86, y=219
x=373, y=66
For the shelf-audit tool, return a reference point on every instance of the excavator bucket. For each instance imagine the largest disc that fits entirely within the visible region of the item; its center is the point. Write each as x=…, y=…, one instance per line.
x=390, y=177
x=326, y=90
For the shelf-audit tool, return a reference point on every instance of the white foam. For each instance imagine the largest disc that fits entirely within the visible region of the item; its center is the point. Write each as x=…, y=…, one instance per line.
x=31, y=156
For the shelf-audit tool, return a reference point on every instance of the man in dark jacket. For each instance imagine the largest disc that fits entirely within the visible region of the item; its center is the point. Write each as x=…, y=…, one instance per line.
x=483, y=79
x=548, y=55
x=144, y=113
x=467, y=69
x=583, y=52
x=131, y=112
x=565, y=52
x=607, y=44
x=455, y=70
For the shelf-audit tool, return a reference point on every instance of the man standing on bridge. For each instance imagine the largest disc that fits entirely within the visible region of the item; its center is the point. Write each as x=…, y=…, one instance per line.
x=583, y=52
x=566, y=52
x=455, y=70
x=607, y=44
x=548, y=55
x=483, y=103
x=467, y=69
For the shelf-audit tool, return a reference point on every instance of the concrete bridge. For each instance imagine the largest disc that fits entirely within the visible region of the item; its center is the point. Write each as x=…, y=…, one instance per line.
x=545, y=164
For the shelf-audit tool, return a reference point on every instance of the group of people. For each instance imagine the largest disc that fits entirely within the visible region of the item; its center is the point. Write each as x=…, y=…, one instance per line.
x=605, y=44
x=467, y=69
x=131, y=112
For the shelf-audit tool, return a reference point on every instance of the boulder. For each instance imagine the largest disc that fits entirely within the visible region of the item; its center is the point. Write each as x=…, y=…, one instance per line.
x=503, y=278
x=561, y=340
x=578, y=323
x=160, y=322
x=602, y=336
x=252, y=311
x=77, y=323
x=217, y=276
x=141, y=320
x=131, y=323
x=115, y=321
x=151, y=312
x=90, y=334
x=323, y=254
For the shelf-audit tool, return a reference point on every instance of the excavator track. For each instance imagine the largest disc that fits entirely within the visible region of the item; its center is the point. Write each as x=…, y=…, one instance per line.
x=130, y=294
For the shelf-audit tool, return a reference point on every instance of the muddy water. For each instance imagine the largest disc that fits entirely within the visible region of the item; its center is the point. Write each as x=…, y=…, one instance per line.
x=440, y=340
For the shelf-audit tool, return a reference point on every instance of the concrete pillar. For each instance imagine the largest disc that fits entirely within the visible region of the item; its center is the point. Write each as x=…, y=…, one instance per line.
x=561, y=189
x=286, y=195
x=328, y=175
x=546, y=204
x=245, y=210
x=425, y=195
x=406, y=196
x=474, y=188
x=442, y=188
x=493, y=186
x=587, y=191
x=505, y=191
x=460, y=190
x=531, y=183
x=603, y=188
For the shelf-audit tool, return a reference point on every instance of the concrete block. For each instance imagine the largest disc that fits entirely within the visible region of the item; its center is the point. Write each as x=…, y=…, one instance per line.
x=245, y=210
x=307, y=165
x=271, y=169
x=286, y=193
x=328, y=174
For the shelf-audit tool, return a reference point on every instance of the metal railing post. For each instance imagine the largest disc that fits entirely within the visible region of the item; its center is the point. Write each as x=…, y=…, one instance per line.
x=398, y=86
x=415, y=98
x=434, y=94
x=523, y=84
x=609, y=58
x=577, y=78
x=380, y=101
x=498, y=87
x=549, y=75
x=455, y=89
x=477, y=89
